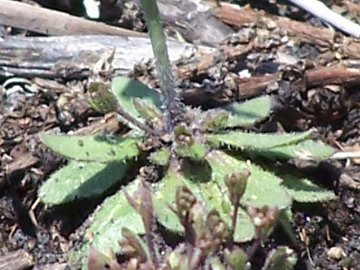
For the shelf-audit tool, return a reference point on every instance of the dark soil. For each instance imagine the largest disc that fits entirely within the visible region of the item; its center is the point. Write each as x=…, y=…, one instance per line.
x=48, y=234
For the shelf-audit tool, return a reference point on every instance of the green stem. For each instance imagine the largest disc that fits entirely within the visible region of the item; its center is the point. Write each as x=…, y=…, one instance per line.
x=171, y=99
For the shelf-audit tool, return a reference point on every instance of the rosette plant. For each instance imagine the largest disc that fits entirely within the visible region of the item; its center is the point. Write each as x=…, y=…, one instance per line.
x=177, y=146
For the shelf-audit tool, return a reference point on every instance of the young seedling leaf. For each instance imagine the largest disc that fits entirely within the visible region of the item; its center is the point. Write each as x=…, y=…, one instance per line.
x=79, y=180
x=214, y=120
x=252, y=141
x=194, y=150
x=101, y=99
x=306, y=150
x=126, y=89
x=178, y=260
x=249, y=112
x=236, y=258
x=207, y=193
x=285, y=221
x=282, y=258
x=216, y=264
x=148, y=111
x=263, y=188
x=108, y=220
x=92, y=147
x=303, y=190
x=160, y=157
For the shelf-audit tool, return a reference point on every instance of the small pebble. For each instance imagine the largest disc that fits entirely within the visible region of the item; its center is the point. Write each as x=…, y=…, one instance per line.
x=336, y=253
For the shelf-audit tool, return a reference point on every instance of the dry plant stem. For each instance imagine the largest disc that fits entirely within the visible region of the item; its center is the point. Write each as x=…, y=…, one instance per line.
x=234, y=221
x=257, y=85
x=189, y=240
x=150, y=243
x=50, y=22
x=135, y=122
x=171, y=98
x=240, y=17
x=321, y=11
x=147, y=214
x=255, y=245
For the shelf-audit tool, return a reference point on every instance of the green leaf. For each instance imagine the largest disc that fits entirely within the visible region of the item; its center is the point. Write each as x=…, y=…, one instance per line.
x=178, y=260
x=80, y=180
x=147, y=110
x=285, y=221
x=281, y=258
x=253, y=141
x=236, y=258
x=216, y=264
x=92, y=147
x=101, y=99
x=263, y=188
x=108, y=220
x=213, y=120
x=208, y=193
x=303, y=190
x=249, y=112
x=126, y=90
x=193, y=150
x=307, y=150
x=161, y=156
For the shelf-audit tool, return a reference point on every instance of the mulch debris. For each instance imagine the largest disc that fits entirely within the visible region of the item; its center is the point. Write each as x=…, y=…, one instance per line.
x=261, y=58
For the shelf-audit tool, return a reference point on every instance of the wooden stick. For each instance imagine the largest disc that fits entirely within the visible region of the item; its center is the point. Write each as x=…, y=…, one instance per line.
x=50, y=22
x=257, y=85
x=16, y=260
x=73, y=57
x=240, y=17
x=320, y=10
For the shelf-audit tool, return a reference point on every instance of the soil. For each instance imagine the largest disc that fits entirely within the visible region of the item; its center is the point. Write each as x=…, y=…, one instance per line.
x=47, y=234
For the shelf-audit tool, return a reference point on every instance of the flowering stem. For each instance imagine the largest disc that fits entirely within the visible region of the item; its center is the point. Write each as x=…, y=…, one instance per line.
x=171, y=98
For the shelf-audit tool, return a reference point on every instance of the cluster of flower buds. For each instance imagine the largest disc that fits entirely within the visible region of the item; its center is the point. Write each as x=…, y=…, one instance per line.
x=236, y=184
x=185, y=200
x=215, y=232
x=131, y=246
x=263, y=218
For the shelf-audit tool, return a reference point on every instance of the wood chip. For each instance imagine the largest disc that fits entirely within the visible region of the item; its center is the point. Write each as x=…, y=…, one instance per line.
x=17, y=260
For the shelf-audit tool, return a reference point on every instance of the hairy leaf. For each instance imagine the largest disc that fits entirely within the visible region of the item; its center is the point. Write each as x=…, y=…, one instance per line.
x=126, y=89
x=207, y=193
x=263, y=188
x=249, y=112
x=80, y=180
x=252, y=141
x=108, y=220
x=307, y=150
x=92, y=147
x=303, y=190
